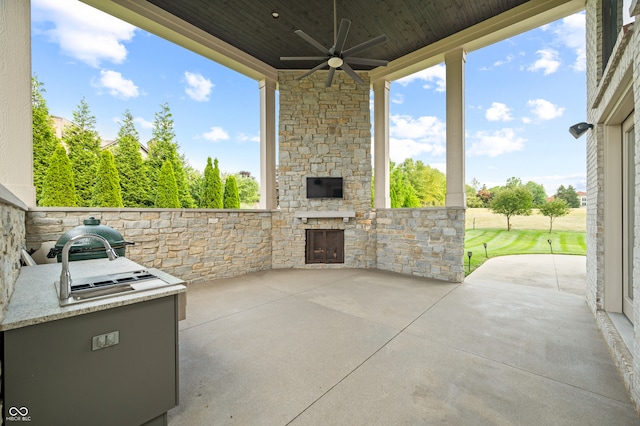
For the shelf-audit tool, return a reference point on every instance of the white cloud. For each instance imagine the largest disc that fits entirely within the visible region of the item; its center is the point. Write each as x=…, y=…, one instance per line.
x=216, y=134
x=544, y=109
x=398, y=99
x=498, y=112
x=144, y=124
x=116, y=85
x=571, y=33
x=548, y=61
x=411, y=136
x=198, y=87
x=242, y=137
x=435, y=74
x=81, y=31
x=526, y=120
x=495, y=143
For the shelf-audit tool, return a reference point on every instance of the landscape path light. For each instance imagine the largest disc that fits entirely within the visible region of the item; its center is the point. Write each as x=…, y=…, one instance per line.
x=550, y=246
x=469, y=254
x=485, y=250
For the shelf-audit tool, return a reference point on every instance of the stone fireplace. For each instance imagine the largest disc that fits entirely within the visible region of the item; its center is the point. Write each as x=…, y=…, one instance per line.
x=323, y=132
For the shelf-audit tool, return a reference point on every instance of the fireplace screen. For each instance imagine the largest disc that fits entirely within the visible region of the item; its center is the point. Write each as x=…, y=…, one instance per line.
x=325, y=246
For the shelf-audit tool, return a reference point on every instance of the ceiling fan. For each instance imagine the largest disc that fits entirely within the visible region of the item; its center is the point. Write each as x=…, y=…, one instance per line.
x=336, y=57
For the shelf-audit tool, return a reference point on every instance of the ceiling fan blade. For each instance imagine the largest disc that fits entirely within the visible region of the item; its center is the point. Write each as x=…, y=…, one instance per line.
x=351, y=73
x=312, y=42
x=366, y=61
x=366, y=45
x=302, y=58
x=314, y=69
x=345, y=24
x=330, y=78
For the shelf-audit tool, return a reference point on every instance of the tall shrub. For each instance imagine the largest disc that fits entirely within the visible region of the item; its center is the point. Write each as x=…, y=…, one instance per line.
x=134, y=180
x=83, y=144
x=107, y=192
x=167, y=188
x=44, y=137
x=58, y=187
x=231, y=197
x=218, y=189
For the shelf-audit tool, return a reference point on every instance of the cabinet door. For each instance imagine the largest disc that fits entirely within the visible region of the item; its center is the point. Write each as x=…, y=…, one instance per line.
x=51, y=371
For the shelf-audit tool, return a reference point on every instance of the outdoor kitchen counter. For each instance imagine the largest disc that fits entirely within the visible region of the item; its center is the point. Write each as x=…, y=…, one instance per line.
x=35, y=298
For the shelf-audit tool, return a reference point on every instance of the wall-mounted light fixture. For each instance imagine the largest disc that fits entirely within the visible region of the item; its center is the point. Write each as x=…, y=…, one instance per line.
x=579, y=129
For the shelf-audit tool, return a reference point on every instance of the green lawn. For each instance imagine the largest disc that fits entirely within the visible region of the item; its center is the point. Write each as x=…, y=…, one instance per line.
x=501, y=242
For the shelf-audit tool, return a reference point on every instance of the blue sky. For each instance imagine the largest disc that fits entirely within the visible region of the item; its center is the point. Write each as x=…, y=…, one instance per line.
x=522, y=95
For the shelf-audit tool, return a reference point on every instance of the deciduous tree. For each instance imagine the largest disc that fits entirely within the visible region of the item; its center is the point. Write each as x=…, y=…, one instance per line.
x=537, y=192
x=248, y=188
x=554, y=209
x=512, y=201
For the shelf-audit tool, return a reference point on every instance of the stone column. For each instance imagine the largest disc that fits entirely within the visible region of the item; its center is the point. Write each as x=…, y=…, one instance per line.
x=454, y=61
x=16, y=140
x=381, y=199
x=268, y=144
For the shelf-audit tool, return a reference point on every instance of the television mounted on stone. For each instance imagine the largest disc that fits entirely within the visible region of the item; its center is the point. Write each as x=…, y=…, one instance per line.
x=324, y=187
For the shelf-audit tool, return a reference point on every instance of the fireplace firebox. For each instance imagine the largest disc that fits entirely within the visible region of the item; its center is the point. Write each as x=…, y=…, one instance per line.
x=325, y=246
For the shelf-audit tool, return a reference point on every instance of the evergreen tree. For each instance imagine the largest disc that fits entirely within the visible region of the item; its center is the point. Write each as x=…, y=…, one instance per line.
x=83, y=144
x=134, y=181
x=218, y=189
x=107, y=192
x=208, y=193
x=58, y=187
x=569, y=195
x=167, y=188
x=231, y=197
x=44, y=137
x=163, y=148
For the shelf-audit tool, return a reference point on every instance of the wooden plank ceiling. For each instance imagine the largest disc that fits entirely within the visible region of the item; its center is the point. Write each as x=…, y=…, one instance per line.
x=410, y=24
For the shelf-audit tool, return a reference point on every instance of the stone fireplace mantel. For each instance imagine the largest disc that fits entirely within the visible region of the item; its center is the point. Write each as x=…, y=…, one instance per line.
x=337, y=214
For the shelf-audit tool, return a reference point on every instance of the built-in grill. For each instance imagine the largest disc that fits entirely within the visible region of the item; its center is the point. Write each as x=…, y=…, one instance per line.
x=86, y=249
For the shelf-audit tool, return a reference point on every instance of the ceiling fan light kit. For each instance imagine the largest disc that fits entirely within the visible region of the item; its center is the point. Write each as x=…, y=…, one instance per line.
x=336, y=57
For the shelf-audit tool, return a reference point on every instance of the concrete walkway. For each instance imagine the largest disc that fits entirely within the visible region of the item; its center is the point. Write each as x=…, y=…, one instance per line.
x=365, y=347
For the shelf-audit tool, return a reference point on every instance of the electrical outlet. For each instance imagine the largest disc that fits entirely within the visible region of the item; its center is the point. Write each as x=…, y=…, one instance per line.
x=105, y=340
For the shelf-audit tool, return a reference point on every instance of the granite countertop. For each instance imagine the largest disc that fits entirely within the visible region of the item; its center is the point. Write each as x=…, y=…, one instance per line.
x=35, y=298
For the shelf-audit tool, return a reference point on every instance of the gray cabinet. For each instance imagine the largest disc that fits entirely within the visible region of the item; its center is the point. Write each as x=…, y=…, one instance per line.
x=56, y=372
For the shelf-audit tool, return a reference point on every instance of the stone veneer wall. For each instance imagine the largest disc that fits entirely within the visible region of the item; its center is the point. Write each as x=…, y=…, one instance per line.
x=195, y=245
x=324, y=132
x=423, y=242
x=11, y=243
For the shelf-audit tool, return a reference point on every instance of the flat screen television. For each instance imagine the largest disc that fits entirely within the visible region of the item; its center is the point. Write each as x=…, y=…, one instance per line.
x=324, y=187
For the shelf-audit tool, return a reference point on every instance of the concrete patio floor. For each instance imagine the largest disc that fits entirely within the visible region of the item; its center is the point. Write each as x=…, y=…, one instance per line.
x=366, y=347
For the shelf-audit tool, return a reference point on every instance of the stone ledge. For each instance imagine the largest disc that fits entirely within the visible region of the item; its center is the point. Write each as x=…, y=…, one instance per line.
x=344, y=215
